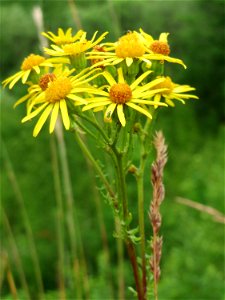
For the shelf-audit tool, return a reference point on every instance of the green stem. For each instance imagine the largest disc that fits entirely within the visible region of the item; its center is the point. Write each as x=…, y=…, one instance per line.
x=130, y=247
x=59, y=219
x=96, y=167
x=96, y=125
x=141, y=213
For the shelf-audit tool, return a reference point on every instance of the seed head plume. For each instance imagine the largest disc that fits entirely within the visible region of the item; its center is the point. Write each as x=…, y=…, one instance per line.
x=154, y=212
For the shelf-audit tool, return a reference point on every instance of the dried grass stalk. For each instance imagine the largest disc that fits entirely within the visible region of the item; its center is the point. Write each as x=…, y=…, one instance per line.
x=154, y=211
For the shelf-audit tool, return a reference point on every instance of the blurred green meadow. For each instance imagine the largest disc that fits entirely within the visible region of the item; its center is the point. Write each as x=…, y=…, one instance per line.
x=36, y=247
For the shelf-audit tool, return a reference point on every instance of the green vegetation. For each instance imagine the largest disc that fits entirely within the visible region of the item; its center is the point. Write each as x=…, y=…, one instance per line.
x=34, y=220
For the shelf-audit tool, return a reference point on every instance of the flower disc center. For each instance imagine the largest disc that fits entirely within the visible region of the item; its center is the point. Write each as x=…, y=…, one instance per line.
x=45, y=79
x=160, y=48
x=58, y=89
x=31, y=61
x=130, y=45
x=120, y=93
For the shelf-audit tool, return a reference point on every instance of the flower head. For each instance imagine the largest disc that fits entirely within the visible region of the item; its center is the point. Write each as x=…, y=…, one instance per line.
x=52, y=94
x=128, y=48
x=63, y=38
x=173, y=91
x=75, y=48
x=32, y=63
x=119, y=94
x=159, y=49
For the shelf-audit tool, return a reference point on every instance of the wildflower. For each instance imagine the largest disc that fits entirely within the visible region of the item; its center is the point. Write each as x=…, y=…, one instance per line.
x=173, y=91
x=32, y=63
x=63, y=38
x=76, y=48
x=120, y=94
x=52, y=95
x=159, y=49
x=129, y=47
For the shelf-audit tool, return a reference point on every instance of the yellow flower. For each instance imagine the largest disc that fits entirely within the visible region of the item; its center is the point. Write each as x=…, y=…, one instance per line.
x=173, y=91
x=128, y=48
x=120, y=94
x=52, y=94
x=159, y=49
x=31, y=63
x=76, y=48
x=36, y=89
x=63, y=38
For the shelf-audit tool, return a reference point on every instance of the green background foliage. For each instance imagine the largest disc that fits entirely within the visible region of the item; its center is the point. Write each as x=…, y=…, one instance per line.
x=193, y=248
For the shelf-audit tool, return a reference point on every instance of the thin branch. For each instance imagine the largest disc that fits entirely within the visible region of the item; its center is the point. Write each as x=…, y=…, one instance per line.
x=217, y=215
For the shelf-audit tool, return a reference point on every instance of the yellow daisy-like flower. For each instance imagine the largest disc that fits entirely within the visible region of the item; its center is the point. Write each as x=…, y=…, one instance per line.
x=120, y=94
x=159, y=49
x=52, y=95
x=31, y=63
x=173, y=91
x=35, y=90
x=74, y=49
x=128, y=48
x=63, y=38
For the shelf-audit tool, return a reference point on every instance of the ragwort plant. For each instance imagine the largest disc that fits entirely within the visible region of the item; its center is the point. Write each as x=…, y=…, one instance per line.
x=111, y=92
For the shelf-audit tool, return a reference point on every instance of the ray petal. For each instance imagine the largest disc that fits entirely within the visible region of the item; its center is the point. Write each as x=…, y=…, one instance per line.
x=54, y=116
x=37, y=69
x=92, y=105
x=64, y=113
x=140, y=109
x=120, y=76
x=139, y=79
x=35, y=112
x=25, y=76
x=109, y=78
x=21, y=100
x=109, y=111
x=121, y=115
x=14, y=81
x=129, y=61
x=42, y=120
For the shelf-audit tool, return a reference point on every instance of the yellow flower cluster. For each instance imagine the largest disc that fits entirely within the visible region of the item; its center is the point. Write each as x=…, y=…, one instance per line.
x=82, y=75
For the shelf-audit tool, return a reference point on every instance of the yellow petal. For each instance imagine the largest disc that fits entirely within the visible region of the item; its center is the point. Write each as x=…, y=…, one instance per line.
x=139, y=79
x=68, y=32
x=60, y=32
x=14, y=81
x=129, y=61
x=140, y=109
x=77, y=98
x=35, y=112
x=64, y=113
x=120, y=114
x=21, y=100
x=92, y=105
x=25, y=76
x=169, y=102
x=37, y=69
x=149, y=102
x=42, y=120
x=109, y=111
x=120, y=76
x=163, y=37
x=148, y=85
x=109, y=78
x=54, y=116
